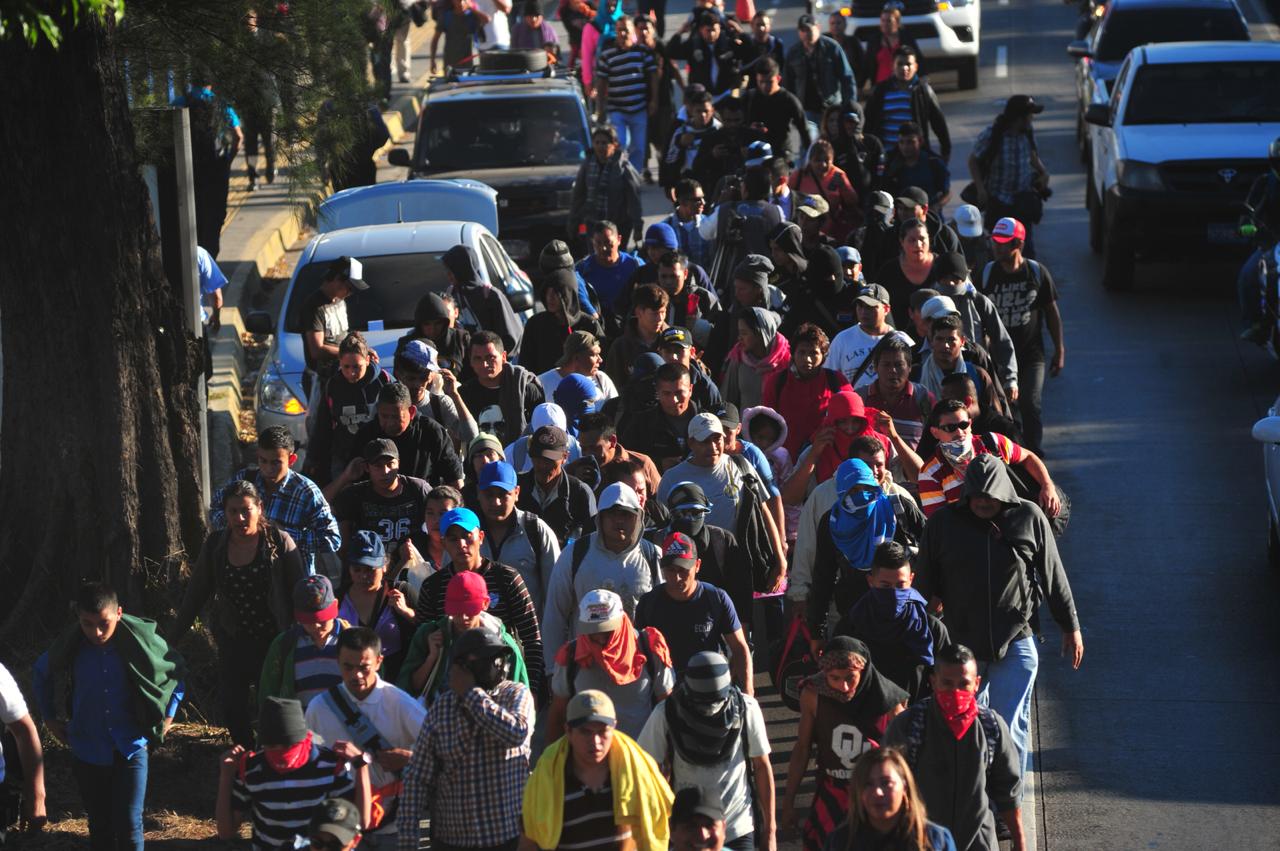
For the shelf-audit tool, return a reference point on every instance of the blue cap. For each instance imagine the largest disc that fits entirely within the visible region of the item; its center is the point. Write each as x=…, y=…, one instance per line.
x=367, y=548
x=497, y=474
x=849, y=254
x=420, y=355
x=661, y=233
x=464, y=517
x=574, y=394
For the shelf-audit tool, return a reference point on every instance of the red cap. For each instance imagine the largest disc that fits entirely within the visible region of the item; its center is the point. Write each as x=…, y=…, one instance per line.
x=679, y=549
x=466, y=594
x=1008, y=229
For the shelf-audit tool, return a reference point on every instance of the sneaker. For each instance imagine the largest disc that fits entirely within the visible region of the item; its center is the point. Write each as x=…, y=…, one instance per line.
x=404, y=78
x=271, y=174
x=1003, y=833
x=1257, y=333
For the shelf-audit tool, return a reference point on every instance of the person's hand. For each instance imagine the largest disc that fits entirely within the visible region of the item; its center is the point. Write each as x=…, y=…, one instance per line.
x=822, y=438
x=393, y=759
x=435, y=642
x=373, y=355
x=1013, y=393
x=349, y=752
x=461, y=680
x=448, y=382
x=215, y=321
x=771, y=842
x=58, y=728
x=357, y=468
x=1049, y=500
x=408, y=552
x=684, y=140
x=396, y=598
x=815, y=647
x=775, y=579
x=435, y=68
x=935, y=605
x=1073, y=648
x=1058, y=362
x=230, y=759
x=884, y=423
x=787, y=815
x=166, y=726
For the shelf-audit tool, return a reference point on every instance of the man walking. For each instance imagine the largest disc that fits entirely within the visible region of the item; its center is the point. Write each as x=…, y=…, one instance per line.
x=627, y=90
x=907, y=97
x=1007, y=172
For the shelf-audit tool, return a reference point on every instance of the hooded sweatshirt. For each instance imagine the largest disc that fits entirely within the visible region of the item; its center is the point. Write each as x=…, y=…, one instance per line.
x=483, y=307
x=982, y=569
x=630, y=574
x=347, y=407
x=982, y=322
x=822, y=296
x=744, y=373
x=779, y=458
x=545, y=331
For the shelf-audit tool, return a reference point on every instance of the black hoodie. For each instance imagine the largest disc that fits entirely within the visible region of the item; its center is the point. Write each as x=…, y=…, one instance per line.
x=992, y=574
x=483, y=307
x=545, y=332
x=822, y=296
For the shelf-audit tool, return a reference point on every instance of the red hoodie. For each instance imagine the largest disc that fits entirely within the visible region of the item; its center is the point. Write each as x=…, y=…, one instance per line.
x=802, y=402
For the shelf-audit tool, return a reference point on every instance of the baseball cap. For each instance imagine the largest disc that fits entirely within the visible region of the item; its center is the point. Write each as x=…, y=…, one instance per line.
x=599, y=611
x=675, y=336
x=1008, y=229
x=950, y=266
x=806, y=21
x=874, y=295
x=366, y=548
x=687, y=496
x=590, y=706
x=695, y=801
x=758, y=153
x=338, y=818
x=380, y=447
x=350, y=270
x=313, y=600
x=549, y=442
x=968, y=221
x=881, y=202
x=1022, y=105
x=661, y=233
x=497, y=474
x=575, y=344
x=466, y=594
x=464, y=517
x=679, y=550
x=730, y=418
x=703, y=426
x=939, y=305
x=618, y=495
x=813, y=206
x=848, y=254
x=420, y=355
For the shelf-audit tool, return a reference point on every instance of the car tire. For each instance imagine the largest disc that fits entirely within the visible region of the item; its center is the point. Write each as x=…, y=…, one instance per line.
x=969, y=74
x=1082, y=138
x=1096, y=223
x=1117, y=257
x=1273, y=542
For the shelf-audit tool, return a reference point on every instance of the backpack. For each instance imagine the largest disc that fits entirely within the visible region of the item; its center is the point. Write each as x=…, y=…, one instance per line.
x=650, y=665
x=1037, y=273
x=751, y=527
x=581, y=545
x=1029, y=489
x=916, y=727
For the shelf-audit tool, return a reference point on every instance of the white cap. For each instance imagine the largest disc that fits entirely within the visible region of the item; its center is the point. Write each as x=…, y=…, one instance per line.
x=599, y=611
x=703, y=426
x=939, y=305
x=968, y=221
x=547, y=414
x=618, y=495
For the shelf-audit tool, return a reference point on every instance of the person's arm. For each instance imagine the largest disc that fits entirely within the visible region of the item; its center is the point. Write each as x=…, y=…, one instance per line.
x=799, y=763
x=653, y=91
x=1005, y=783
x=848, y=92
x=556, y=716
x=1000, y=344
x=466, y=424
x=801, y=124
x=1013, y=820
x=355, y=471
x=938, y=123
x=976, y=172
x=740, y=660
x=1053, y=319
x=196, y=595
x=558, y=608
x=802, y=554
x=435, y=646
x=31, y=755
x=317, y=348
x=779, y=516
x=1048, y=566
x=416, y=794
x=779, y=573
x=320, y=530
x=1040, y=473
x=435, y=42
x=796, y=487
x=507, y=727
x=911, y=462
x=602, y=96
x=228, y=818
x=766, y=794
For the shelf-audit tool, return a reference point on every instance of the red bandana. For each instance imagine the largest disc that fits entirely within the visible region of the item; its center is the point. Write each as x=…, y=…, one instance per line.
x=958, y=708
x=291, y=758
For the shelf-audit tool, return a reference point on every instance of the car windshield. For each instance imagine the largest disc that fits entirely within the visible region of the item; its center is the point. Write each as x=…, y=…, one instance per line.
x=1125, y=30
x=396, y=283
x=1205, y=93
x=487, y=132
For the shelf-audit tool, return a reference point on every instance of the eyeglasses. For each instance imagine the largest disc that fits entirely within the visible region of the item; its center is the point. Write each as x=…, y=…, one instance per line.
x=952, y=428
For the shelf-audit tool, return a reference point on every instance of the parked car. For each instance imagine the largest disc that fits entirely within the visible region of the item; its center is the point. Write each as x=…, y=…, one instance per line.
x=1175, y=149
x=515, y=125
x=1127, y=24
x=1267, y=432
x=949, y=32
x=398, y=231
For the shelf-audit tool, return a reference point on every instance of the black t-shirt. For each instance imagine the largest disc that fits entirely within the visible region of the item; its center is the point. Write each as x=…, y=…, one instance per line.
x=890, y=276
x=692, y=626
x=426, y=450
x=392, y=517
x=777, y=112
x=1021, y=298
x=483, y=405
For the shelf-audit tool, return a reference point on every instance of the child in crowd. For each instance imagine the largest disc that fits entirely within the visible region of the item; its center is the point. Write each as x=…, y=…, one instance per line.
x=349, y=400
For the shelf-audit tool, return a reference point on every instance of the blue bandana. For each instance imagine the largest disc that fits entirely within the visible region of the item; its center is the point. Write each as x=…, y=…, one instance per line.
x=861, y=519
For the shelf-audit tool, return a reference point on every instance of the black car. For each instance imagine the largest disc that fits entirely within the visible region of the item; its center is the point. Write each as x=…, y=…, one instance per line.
x=522, y=130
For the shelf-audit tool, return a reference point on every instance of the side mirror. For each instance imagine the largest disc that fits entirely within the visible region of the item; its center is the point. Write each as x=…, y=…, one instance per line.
x=1267, y=430
x=399, y=156
x=1099, y=114
x=259, y=322
x=1078, y=49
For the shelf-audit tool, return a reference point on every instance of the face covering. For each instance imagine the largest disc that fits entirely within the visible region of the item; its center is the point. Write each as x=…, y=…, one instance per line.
x=689, y=522
x=958, y=707
x=958, y=453
x=889, y=602
x=489, y=671
x=291, y=758
x=707, y=709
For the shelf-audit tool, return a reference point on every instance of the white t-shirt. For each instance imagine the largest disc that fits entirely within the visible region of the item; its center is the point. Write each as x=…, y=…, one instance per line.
x=13, y=706
x=605, y=388
x=496, y=33
x=729, y=778
x=849, y=349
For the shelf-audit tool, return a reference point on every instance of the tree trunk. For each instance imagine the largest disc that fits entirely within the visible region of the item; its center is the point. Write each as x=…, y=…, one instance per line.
x=98, y=444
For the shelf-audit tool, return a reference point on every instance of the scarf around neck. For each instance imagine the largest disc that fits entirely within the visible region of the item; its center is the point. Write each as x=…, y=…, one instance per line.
x=705, y=739
x=861, y=519
x=875, y=694
x=895, y=616
x=777, y=348
x=620, y=659
x=931, y=374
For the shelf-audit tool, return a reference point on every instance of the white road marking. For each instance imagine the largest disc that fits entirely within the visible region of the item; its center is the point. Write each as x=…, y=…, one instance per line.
x=1002, y=61
x=1002, y=2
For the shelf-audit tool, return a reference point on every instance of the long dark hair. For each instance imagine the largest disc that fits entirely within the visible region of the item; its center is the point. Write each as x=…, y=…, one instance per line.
x=910, y=829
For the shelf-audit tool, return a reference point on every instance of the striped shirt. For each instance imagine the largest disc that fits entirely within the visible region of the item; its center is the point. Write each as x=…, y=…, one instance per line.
x=281, y=805
x=897, y=111
x=468, y=769
x=315, y=668
x=588, y=817
x=627, y=74
x=940, y=483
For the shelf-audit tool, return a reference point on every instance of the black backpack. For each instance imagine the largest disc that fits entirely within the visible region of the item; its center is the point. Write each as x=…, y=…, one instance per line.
x=916, y=728
x=1029, y=489
x=751, y=527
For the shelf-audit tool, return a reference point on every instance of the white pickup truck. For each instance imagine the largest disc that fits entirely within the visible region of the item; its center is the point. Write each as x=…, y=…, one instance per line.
x=1175, y=150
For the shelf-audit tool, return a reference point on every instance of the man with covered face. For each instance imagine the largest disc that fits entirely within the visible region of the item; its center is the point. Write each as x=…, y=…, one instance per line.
x=989, y=558
x=711, y=734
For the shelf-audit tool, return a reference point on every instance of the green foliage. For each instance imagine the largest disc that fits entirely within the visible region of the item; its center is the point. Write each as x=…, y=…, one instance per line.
x=32, y=21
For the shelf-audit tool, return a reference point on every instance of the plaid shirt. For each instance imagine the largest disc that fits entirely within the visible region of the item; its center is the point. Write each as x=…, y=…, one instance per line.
x=296, y=506
x=1010, y=171
x=468, y=769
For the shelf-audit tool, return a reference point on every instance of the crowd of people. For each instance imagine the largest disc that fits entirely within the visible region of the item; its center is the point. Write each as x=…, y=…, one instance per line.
x=520, y=591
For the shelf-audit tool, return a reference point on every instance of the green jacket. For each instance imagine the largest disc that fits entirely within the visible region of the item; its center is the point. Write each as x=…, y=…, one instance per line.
x=439, y=681
x=277, y=678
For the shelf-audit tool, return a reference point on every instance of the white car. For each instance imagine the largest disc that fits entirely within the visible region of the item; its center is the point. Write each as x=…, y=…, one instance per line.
x=949, y=32
x=401, y=261
x=1267, y=432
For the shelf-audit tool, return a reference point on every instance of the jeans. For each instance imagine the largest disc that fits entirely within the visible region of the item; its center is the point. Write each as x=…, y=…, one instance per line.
x=1030, y=397
x=633, y=134
x=113, y=796
x=1249, y=289
x=1007, y=686
x=239, y=669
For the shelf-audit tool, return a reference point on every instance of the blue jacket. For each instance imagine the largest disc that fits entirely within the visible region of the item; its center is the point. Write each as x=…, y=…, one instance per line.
x=835, y=77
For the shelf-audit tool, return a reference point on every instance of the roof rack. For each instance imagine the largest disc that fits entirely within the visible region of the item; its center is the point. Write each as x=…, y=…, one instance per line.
x=475, y=76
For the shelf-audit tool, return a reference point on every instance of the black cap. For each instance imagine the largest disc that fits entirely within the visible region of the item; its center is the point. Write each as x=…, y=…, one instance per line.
x=806, y=21
x=281, y=722
x=379, y=447
x=350, y=270
x=338, y=818
x=1022, y=105
x=696, y=801
x=915, y=193
x=729, y=417
x=950, y=266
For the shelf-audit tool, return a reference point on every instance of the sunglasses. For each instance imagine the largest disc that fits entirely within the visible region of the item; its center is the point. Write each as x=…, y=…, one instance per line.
x=952, y=428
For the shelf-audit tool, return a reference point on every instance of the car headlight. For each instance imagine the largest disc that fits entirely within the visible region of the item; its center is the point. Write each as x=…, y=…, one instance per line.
x=274, y=394
x=1133, y=174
